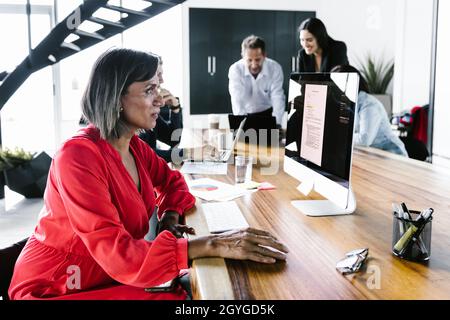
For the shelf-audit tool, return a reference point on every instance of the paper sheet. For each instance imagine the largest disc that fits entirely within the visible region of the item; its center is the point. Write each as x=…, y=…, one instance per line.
x=213, y=190
x=313, y=123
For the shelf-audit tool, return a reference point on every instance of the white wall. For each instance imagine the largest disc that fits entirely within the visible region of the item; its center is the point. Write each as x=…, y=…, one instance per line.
x=412, y=54
x=366, y=26
x=161, y=35
x=361, y=24
x=441, y=145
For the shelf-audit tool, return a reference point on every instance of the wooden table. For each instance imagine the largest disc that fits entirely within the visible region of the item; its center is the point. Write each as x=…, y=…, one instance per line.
x=316, y=244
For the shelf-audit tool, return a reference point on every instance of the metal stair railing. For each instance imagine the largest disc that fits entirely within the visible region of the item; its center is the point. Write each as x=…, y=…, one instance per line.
x=53, y=48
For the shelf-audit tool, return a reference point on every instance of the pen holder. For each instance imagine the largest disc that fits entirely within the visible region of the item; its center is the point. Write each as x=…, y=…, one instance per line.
x=406, y=242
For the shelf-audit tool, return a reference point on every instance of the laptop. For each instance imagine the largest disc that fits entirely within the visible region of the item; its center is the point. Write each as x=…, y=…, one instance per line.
x=224, y=155
x=264, y=127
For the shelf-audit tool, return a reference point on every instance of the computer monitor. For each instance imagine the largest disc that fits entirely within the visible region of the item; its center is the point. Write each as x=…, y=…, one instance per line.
x=319, y=139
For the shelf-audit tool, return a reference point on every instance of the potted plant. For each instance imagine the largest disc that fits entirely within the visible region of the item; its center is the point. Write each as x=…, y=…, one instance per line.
x=24, y=172
x=378, y=75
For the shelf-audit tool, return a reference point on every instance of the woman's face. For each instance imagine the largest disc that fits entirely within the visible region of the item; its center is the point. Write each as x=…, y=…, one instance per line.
x=160, y=74
x=309, y=42
x=141, y=104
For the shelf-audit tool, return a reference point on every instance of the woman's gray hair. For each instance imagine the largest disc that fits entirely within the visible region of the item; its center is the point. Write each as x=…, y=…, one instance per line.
x=112, y=74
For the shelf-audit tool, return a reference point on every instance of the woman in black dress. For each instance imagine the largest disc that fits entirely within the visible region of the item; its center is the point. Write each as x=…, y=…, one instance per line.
x=320, y=52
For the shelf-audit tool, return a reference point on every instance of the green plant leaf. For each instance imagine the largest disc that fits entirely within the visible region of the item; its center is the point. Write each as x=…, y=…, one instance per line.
x=388, y=75
x=377, y=73
x=13, y=158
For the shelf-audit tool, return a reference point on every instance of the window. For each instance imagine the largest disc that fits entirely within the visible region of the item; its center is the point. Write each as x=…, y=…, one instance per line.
x=27, y=118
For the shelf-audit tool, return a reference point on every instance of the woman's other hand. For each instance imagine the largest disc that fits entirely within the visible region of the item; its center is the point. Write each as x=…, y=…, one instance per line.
x=205, y=153
x=170, y=222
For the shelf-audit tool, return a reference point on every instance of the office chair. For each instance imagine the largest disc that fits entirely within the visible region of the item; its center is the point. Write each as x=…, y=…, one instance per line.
x=415, y=148
x=416, y=129
x=8, y=257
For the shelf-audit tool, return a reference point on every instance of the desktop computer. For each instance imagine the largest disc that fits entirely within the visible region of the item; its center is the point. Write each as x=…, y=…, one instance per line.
x=319, y=139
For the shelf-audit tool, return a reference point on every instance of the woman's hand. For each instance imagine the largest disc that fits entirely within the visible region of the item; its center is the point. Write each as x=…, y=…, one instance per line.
x=169, y=99
x=170, y=222
x=210, y=153
x=245, y=244
x=205, y=153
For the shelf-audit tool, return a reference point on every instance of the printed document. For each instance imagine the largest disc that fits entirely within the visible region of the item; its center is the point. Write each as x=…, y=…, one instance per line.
x=313, y=123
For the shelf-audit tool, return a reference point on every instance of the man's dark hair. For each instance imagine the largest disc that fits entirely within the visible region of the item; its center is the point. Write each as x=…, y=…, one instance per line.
x=253, y=42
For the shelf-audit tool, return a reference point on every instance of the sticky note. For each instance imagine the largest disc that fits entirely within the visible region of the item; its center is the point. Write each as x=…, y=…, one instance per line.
x=249, y=185
x=266, y=186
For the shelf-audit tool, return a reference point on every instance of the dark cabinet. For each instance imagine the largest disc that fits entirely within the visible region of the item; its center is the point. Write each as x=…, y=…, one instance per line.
x=215, y=37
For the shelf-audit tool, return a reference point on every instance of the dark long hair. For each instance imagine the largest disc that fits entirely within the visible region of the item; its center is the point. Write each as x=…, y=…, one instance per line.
x=318, y=30
x=348, y=68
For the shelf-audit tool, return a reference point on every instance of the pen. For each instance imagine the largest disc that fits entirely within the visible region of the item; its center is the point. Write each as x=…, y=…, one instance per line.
x=422, y=246
x=405, y=210
x=420, y=241
x=426, y=215
x=398, y=210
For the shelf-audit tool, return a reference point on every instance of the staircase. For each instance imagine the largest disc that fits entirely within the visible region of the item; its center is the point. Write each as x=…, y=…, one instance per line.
x=55, y=47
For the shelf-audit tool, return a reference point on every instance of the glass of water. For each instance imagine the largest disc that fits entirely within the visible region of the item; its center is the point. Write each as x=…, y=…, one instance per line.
x=243, y=168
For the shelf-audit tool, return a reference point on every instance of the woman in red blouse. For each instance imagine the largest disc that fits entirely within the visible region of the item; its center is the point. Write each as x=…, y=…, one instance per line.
x=103, y=186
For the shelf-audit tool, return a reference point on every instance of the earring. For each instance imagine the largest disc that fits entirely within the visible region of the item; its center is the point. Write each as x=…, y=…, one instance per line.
x=118, y=113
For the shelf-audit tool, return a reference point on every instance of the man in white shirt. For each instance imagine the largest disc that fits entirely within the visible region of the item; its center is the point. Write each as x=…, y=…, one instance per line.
x=256, y=82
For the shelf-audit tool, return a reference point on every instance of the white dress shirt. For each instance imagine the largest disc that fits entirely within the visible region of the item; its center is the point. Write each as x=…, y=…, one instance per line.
x=250, y=95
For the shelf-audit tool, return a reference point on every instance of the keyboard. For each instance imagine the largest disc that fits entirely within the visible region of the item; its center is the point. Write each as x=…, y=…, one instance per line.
x=223, y=216
x=206, y=167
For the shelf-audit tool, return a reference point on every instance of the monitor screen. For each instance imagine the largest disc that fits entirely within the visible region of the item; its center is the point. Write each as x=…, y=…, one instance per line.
x=321, y=122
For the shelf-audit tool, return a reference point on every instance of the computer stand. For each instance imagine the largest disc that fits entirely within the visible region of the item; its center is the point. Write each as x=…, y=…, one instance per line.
x=319, y=208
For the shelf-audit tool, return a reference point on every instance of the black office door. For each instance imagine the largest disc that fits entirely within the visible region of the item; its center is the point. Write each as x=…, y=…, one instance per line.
x=286, y=41
x=209, y=58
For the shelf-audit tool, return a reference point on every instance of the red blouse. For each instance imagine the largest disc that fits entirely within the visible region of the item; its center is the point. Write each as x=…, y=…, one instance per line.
x=94, y=220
